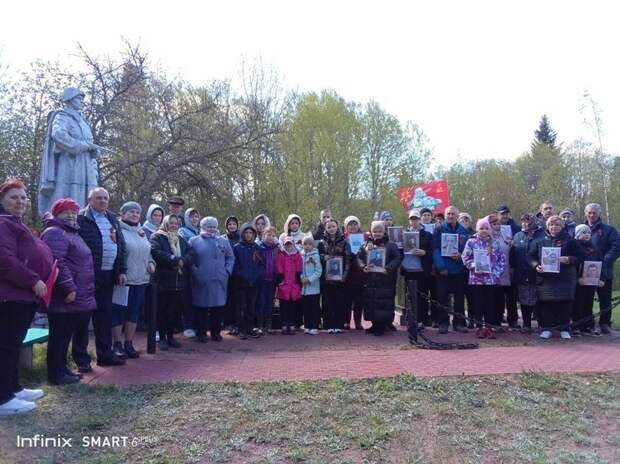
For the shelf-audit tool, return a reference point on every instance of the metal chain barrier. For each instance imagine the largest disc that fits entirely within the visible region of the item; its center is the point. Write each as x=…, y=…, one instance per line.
x=426, y=343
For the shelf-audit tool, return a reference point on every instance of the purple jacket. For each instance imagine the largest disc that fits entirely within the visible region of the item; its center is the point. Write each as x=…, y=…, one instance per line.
x=24, y=260
x=75, y=266
x=497, y=260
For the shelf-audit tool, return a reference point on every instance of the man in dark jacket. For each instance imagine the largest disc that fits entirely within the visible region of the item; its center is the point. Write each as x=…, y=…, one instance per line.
x=505, y=219
x=100, y=230
x=318, y=231
x=569, y=221
x=451, y=272
x=607, y=241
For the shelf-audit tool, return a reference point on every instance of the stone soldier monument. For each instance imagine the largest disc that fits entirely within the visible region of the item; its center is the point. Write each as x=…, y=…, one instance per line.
x=69, y=164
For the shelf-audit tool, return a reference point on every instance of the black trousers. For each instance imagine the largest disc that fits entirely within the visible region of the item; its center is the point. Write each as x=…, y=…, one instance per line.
x=424, y=282
x=288, y=312
x=582, y=307
x=15, y=318
x=312, y=311
x=471, y=302
x=61, y=327
x=526, y=314
x=485, y=307
x=208, y=318
x=604, y=298
x=189, y=320
x=334, y=304
x=170, y=303
x=506, y=298
x=245, y=298
x=554, y=314
x=102, y=320
x=455, y=284
x=352, y=304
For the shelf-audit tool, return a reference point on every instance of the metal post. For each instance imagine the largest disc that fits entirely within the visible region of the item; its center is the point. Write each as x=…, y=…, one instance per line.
x=412, y=313
x=151, y=318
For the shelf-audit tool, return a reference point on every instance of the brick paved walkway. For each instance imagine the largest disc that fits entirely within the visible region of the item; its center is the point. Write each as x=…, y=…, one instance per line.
x=356, y=355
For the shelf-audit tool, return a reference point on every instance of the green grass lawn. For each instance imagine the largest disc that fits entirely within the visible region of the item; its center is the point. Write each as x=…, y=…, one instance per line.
x=528, y=418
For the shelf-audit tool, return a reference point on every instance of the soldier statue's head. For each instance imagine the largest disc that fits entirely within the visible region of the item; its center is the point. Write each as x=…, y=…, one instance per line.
x=73, y=98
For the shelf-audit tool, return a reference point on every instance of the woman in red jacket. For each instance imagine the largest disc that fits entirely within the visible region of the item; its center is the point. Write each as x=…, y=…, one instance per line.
x=25, y=266
x=289, y=266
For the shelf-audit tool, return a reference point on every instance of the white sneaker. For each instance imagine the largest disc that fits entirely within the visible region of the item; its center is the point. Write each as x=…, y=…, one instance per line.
x=545, y=334
x=16, y=406
x=338, y=331
x=306, y=331
x=565, y=335
x=189, y=333
x=26, y=394
x=314, y=331
x=331, y=331
x=156, y=336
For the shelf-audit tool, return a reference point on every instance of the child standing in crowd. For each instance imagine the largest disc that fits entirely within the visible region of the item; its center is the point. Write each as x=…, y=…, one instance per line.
x=261, y=222
x=170, y=252
x=354, y=283
x=584, y=296
x=248, y=271
x=524, y=276
x=269, y=248
x=154, y=216
x=318, y=231
x=334, y=246
x=379, y=282
x=289, y=267
x=311, y=286
x=556, y=291
x=212, y=263
x=486, y=263
x=292, y=229
x=230, y=314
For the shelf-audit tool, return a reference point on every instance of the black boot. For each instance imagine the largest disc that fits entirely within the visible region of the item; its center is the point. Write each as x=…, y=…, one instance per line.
x=118, y=350
x=130, y=350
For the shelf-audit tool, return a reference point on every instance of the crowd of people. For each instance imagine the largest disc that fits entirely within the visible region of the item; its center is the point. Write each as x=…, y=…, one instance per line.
x=330, y=278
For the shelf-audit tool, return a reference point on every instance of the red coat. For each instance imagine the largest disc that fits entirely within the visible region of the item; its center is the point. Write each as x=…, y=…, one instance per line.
x=290, y=267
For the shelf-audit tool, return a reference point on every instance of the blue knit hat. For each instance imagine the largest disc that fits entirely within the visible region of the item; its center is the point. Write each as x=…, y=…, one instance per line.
x=208, y=221
x=130, y=205
x=385, y=215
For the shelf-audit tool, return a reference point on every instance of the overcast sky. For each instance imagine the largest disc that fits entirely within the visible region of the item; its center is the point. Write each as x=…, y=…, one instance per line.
x=475, y=75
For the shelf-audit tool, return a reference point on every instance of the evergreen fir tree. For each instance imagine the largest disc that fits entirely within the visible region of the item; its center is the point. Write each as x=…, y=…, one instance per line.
x=544, y=133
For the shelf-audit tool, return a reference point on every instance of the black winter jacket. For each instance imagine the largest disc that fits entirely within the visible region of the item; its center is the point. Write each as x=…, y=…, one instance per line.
x=561, y=286
x=166, y=276
x=89, y=231
x=607, y=241
x=426, y=244
x=380, y=289
x=523, y=272
x=329, y=248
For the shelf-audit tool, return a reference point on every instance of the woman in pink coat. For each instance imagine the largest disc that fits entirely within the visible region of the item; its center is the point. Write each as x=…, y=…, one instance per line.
x=288, y=270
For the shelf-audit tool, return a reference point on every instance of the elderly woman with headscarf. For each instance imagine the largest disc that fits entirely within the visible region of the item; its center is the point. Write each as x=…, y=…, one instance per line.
x=154, y=215
x=140, y=266
x=555, y=290
x=379, y=281
x=25, y=266
x=170, y=252
x=524, y=276
x=74, y=294
x=212, y=264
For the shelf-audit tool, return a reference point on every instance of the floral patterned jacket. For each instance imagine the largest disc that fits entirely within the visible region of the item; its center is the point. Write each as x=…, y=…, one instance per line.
x=497, y=260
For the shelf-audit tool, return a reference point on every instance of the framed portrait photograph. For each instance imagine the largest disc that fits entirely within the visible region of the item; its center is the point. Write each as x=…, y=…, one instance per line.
x=506, y=232
x=550, y=259
x=333, y=268
x=449, y=245
x=355, y=242
x=395, y=234
x=482, y=262
x=591, y=274
x=376, y=260
x=411, y=241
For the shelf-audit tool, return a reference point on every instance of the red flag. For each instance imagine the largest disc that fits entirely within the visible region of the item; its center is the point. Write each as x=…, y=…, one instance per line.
x=434, y=196
x=51, y=280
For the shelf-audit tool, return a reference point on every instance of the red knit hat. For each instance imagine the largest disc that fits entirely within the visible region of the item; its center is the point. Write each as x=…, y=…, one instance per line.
x=64, y=204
